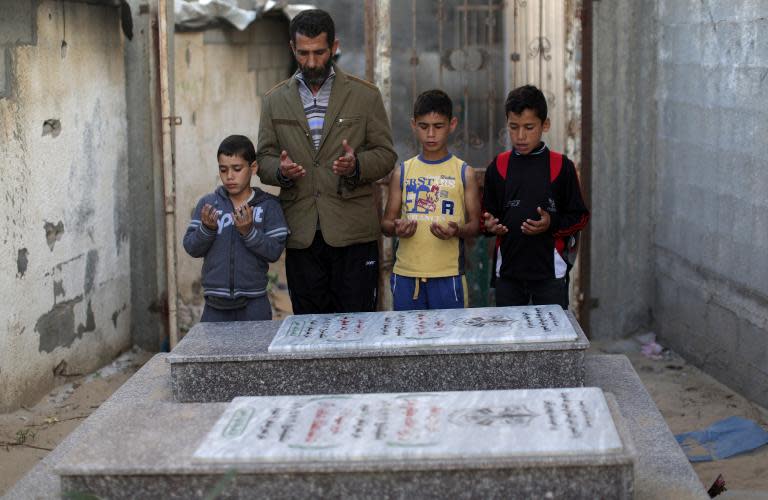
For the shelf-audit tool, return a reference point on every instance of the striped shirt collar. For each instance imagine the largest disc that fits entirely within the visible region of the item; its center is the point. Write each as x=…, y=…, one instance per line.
x=315, y=106
x=327, y=83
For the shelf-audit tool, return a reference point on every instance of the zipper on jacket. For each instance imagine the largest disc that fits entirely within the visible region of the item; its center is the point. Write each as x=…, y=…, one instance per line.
x=232, y=235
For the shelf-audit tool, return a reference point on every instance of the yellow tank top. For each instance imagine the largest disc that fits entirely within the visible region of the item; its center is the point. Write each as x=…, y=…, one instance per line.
x=432, y=191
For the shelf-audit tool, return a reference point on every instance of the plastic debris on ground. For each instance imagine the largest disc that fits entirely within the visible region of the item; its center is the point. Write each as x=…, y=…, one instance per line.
x=128, y=360
x=717, y=487
x=644, y=342
x=652, y=350
x=131, y=358
x=723, y=439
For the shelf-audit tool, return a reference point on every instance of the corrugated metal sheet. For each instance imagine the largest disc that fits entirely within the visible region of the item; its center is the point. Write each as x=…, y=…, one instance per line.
x=202, y=14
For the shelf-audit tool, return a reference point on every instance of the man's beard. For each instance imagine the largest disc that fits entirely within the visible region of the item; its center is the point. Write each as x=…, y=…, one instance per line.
x=314, y=77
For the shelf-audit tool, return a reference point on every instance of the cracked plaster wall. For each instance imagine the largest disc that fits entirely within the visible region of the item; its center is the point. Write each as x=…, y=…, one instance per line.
x=64, y=252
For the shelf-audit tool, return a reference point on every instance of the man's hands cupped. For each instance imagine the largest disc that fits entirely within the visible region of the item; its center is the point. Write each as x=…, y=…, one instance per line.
x=290, y=169
x=345, y=165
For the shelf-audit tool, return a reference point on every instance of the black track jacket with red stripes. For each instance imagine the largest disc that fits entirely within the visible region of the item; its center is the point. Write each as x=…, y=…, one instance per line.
x=532, y=182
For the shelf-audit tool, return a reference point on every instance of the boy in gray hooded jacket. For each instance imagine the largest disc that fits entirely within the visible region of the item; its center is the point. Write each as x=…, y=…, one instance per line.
x=238, y=230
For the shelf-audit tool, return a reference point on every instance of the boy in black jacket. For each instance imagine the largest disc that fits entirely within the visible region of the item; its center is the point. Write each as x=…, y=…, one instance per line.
x=238, y=230
x=532, y=202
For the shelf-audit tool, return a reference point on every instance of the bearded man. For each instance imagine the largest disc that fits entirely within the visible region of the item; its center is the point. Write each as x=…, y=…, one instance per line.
x=325, y=139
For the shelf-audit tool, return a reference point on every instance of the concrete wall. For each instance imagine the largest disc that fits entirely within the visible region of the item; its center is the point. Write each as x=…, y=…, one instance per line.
x=680, y=194
x=220, y=78
x=711, y=231
x=64, y=251
x=145, y=182
x=623, y=175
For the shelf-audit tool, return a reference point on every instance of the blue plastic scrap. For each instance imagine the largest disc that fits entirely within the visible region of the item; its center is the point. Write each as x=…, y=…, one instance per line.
x=723, y=439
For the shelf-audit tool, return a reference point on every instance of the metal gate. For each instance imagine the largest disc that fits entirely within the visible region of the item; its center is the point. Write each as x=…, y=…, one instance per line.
x=476, y=51
x=457, y=46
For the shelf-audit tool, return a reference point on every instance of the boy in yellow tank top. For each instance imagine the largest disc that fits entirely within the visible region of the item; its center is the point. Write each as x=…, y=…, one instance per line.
x=433, y=205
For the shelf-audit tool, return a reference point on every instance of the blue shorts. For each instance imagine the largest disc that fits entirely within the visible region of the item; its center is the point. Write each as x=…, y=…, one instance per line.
x=410, y=293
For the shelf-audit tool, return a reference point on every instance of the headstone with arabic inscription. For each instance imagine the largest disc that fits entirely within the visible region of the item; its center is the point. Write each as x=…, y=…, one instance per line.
x=438, y=350
x=413, y=426
x=434, y=328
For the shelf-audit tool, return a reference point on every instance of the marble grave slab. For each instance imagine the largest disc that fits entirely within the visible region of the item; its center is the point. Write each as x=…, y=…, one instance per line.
x=435, y=328
x=449, y=425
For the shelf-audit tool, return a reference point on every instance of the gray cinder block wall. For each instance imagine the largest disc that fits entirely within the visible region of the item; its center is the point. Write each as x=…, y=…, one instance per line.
x=680, y=228
x=711, y=231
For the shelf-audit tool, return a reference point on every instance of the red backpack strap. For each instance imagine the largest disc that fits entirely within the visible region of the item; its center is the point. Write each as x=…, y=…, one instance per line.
x=502, y=162
x=555, y=165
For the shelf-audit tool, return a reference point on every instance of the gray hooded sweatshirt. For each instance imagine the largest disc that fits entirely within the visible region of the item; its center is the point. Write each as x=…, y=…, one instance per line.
x=234, y=265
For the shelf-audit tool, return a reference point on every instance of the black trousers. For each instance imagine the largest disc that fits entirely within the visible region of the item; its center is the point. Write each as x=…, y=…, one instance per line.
x=325, y=279
x=514, y=292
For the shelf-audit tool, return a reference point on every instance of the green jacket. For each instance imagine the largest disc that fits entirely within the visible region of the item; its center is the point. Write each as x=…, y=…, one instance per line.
x=345, y=207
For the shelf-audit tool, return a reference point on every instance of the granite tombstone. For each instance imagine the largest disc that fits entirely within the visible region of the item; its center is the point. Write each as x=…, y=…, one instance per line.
x=445, y=350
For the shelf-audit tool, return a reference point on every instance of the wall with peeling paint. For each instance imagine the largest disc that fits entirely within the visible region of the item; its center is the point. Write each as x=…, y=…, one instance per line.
x=680, y=194
x=220, y=78
x=64, y=252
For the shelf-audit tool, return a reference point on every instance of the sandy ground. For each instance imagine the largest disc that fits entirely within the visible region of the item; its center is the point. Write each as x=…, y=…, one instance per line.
x=27, y=435
x=688, y=399
x=691, y=400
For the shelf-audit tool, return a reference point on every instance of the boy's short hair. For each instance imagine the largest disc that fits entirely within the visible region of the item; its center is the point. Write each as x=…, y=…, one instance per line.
x=237, y=145
x=311, y=23
x=526, y=97
x=433, y=101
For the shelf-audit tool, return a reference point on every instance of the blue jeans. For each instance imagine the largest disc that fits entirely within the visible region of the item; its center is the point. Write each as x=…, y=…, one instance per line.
x=410, y=293
x=255, y=309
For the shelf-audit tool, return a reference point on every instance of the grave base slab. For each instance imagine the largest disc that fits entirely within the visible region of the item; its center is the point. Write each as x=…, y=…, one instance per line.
x=661, y=469
x=146, y=451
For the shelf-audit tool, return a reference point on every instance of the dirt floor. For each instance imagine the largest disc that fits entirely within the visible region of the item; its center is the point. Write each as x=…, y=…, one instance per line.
x=691, y=400
x=688, y=399
x=27, y=435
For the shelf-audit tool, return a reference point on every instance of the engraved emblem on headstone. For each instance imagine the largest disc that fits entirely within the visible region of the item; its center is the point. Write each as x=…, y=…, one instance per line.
x=517, y=415
x=480, y=322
